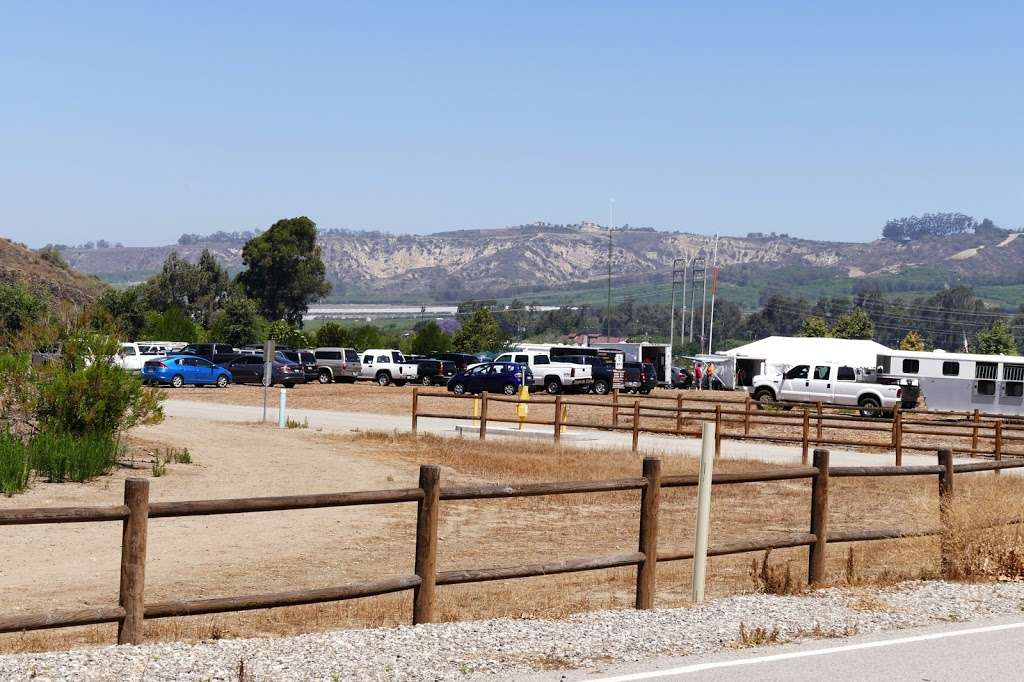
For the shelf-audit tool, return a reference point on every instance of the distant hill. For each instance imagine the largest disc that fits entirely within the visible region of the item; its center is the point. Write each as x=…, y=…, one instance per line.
x=551, y=261
x=18, y=263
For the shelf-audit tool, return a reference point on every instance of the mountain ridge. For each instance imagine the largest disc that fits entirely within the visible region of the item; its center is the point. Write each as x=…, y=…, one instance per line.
x=471, y=263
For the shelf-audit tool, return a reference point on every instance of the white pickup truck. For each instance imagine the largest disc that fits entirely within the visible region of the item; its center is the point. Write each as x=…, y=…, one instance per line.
x=555, y=377
x=133, y=356
x=829, y=384
x=387, y=366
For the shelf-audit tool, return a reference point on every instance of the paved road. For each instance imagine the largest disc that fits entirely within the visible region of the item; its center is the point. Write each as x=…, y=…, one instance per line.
x=982, y=651
x=343, y=422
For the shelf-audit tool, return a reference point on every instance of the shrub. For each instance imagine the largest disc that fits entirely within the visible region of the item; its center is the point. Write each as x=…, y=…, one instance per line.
x=14, y=464
x=69, y=457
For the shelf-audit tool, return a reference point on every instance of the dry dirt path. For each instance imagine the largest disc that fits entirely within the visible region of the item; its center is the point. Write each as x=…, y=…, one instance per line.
x=345, y=421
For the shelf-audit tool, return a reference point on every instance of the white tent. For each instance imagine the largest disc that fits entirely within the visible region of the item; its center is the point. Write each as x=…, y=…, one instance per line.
x=779, y=353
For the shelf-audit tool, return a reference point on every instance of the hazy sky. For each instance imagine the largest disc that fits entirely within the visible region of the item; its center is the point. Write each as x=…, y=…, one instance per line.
x=141, y=121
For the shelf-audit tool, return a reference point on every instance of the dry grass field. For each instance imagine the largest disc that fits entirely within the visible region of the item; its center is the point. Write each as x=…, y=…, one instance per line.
x=75, y=565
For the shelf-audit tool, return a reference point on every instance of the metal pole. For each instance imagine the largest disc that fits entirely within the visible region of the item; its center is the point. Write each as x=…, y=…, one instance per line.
x=608, y=311
x=700, y=542
x=281, y=412
x=714, y=290
x=682, y=321
x=703, y=306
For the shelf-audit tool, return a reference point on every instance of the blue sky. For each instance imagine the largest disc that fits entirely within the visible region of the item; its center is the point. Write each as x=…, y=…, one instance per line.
x=140, y=121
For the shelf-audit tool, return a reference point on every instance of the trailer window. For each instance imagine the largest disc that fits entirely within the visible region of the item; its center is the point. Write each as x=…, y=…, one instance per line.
x=950, y=369
x=911, y=366
x=1015, y=389
x=847, y=374
x=985, y=370
x=986, y=387
x=1013, y=372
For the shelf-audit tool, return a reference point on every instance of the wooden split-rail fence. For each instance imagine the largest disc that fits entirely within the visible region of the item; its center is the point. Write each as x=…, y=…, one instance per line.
x=809, y=424
x=133, y=610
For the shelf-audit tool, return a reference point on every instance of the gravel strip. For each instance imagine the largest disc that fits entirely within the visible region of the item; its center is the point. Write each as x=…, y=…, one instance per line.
x=491, y=648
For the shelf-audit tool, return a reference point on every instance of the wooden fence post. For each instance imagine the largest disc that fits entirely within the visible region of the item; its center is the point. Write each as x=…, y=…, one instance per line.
x=998, y=454
x=806, y=436
x=897, y=427
x=650, y=499
x=895, y=420
x=974, y=432
x=636, y=424
x=427, y=512
x=483, y=415
x=818, y=439
x=718, y=429
x=746, y=415
x=679, y=413
x=133, y=561
x=819, y=520
x=558, y=418
x=945, y=505
x=415, y=407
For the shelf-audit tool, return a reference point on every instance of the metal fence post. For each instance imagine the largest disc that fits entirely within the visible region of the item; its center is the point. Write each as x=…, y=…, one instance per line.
x=133, y=561
x=650, y=500
x=819, y=520
x=427, y=514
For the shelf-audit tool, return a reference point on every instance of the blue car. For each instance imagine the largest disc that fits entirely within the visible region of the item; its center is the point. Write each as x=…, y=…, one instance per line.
x=493, y=377
x=178, y=370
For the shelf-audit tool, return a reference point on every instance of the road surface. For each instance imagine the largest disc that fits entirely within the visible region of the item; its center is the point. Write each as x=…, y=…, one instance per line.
x=979, y=652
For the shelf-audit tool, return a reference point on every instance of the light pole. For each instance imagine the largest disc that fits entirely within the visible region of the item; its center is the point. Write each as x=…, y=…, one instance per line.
x=608, y=310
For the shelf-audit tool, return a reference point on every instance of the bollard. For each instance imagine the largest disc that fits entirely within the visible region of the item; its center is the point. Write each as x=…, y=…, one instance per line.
x=700, y=542
x=281, y=416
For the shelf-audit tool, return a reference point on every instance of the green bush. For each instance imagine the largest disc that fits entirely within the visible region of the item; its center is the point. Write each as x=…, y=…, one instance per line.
x=66, y=457
x=14, y=464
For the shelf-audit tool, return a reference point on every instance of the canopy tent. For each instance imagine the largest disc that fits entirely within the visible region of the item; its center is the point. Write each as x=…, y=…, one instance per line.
x=778, y=353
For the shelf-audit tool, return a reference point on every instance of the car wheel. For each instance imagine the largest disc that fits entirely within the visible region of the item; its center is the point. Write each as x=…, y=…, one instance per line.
x=869, y=407
x=459, y=389
x=222, y=381
x=601, y=387
x=426, y=381
x=764, y=397
x=324, y=377
x=509, y=389
x=553, y=386
x=177, y=381
x=383, y=378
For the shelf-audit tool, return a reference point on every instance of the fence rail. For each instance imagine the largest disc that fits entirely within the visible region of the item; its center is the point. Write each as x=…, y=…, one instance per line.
x=810, y=425
x=132, y=611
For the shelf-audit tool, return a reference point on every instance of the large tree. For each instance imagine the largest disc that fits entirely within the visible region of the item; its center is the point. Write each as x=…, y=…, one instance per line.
x=430, y=338
x=481, y=332
x=814, y=327
x=238, y=322
x=285, y=271
x=855, y=324
x=996, y=340
x=196, y=289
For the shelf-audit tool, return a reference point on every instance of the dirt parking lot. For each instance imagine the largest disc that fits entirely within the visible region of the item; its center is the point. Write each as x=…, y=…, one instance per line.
x=74, y=565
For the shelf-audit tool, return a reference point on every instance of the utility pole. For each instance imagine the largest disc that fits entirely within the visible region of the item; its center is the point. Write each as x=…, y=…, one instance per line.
x=608, y=311
x=714, y=290
x=703, y=309
x=697, y=266
x=676, y=274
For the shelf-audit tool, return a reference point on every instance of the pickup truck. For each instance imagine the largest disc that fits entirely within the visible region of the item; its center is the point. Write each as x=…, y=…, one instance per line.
x=387, y=366
x=603, y=373
x=133, y=356
x=555, y=377
x=829, y=384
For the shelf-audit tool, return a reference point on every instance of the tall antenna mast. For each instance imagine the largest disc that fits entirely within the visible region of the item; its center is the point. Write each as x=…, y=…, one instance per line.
x=714, y=290
x=608, y=312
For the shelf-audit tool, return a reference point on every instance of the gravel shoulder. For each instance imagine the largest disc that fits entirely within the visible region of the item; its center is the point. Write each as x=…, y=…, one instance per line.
x=504, y=648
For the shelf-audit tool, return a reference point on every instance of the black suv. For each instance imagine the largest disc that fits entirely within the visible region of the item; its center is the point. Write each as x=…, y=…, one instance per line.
x=431, y=372
x=216, y=353
x=461, y=360
x=307, y=359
